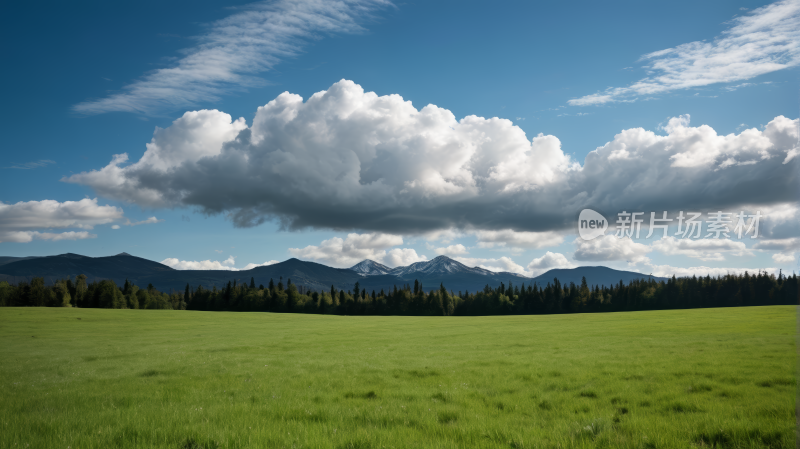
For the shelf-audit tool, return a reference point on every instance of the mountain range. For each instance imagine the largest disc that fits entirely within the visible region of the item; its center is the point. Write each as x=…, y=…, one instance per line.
x=369, y=274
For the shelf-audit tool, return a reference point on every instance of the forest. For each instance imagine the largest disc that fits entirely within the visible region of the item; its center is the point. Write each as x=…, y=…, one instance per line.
x=731, y=290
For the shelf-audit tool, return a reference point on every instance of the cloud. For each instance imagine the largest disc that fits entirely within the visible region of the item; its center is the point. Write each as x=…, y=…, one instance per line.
x=443, y=235
x=21, y=222
x=400, y=257
x=234, y=50
x=32, y=165
x=502, y=264
x=511, y=239
x=700, y=271
x=151, y=220
x=763, y=41
x=783, y=258
x=379, y=164
x=547, y=262
x=608, y=247
x=452, y=250
x=779, y=221
x=355, y=247
x=250, y=266
x=84, y=214
x=226, y=265
x=784, y=245
x=703, y=249
x=29, y=236
x=739, y=86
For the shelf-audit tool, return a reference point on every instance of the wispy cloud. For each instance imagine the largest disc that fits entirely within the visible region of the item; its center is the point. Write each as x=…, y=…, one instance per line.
x=234, y=51
x=764, y=41
x=151, y=220
x=32, y=165
x=739, y=86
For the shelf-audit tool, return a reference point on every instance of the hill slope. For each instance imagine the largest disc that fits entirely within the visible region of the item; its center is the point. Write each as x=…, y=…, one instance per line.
x=594, y=276
x=116, y=268
x=6, y=259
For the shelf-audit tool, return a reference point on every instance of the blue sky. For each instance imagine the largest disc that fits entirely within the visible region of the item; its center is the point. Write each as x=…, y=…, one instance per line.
x=520, y=61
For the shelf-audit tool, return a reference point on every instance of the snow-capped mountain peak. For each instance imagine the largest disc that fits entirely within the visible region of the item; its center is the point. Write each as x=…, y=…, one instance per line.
x=439, y=265
x=369, y=267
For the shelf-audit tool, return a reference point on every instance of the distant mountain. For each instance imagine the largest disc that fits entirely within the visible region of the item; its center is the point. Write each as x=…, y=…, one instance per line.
x=369, y=267
x=116, y=268
x=5, y=259
x=594, y=276
x=369, y=274
x=442, y=270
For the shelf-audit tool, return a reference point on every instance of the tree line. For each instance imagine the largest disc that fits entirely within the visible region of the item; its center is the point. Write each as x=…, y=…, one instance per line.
x=555, y=297
x=103, y=294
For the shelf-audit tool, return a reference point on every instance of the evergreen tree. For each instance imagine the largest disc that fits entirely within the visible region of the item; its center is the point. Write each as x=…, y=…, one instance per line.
x=80, y=289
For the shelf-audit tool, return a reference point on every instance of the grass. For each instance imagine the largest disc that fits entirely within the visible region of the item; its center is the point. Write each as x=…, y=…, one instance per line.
x=87, y=378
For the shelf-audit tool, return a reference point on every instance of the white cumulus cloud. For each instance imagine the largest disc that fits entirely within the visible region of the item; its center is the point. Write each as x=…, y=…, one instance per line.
x=379, y=164
x=401, y=257
x=226, y=265
x=452, y=250
x=609, y=247
x=783, y=257
x=25, y=221
x=356, y=247
x=703, y=249
x=547, y=262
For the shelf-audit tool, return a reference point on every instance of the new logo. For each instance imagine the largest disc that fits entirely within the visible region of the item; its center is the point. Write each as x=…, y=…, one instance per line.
x=591, y=224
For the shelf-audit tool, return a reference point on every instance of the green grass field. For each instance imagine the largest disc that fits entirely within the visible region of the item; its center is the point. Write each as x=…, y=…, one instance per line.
x=89, y=378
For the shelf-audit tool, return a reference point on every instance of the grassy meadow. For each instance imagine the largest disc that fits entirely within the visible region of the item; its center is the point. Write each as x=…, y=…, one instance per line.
x=93, y=378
